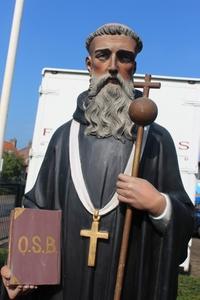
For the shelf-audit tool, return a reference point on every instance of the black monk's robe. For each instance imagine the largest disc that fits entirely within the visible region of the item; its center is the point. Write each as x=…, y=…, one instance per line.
x=153, y=256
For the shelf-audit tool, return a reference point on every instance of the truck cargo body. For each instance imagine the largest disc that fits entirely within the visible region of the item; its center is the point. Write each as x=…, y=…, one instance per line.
x=178, y=102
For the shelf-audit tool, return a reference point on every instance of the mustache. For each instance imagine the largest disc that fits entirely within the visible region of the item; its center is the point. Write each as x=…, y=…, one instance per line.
x=97, y=83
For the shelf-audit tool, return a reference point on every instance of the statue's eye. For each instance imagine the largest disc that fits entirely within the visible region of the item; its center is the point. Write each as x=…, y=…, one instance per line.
x=125, y=56
x=102, y=54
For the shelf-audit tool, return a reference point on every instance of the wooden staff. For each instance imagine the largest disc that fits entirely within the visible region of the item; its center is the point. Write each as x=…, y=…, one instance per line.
x=142, y=111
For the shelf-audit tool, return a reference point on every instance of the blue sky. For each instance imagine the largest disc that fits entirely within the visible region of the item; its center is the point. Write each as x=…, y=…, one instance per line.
x=53, y=35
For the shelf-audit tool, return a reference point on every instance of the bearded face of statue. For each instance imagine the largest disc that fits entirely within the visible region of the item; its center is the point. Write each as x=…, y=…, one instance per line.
x=111, y=65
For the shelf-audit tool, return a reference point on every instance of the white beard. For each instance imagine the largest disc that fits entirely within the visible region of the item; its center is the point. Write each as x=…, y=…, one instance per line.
x=107, y=111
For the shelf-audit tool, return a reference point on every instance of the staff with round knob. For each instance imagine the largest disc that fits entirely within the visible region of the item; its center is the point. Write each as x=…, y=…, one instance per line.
x=142, y=111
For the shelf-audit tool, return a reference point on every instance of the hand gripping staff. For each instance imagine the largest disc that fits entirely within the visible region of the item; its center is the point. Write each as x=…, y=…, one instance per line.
x=142, y=112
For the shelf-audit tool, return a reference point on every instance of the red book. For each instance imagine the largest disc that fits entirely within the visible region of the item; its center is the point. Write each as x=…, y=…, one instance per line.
x=34, y=246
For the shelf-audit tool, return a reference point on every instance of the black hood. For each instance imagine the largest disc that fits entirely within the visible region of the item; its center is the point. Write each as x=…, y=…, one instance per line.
x=82, y=102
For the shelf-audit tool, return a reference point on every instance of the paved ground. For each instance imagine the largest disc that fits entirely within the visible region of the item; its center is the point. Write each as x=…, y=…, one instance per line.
x=195, y=257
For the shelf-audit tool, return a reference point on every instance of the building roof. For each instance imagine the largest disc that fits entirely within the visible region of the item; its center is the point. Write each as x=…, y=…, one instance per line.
x=10, y=146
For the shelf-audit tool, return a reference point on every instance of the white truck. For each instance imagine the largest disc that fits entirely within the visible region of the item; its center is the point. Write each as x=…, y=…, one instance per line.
x=178, y=102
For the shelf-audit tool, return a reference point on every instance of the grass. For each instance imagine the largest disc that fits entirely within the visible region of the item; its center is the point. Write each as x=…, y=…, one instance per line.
x=189, y=286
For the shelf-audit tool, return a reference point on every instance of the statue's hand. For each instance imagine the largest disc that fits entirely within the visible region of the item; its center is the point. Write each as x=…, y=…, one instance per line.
x=14, y=291
x=140, y=194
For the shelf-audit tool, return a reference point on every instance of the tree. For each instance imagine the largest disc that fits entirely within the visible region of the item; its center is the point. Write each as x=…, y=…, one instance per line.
x=13, y=167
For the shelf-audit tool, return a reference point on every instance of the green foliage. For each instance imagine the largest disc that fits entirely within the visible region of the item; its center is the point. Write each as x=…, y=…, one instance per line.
x=3, y=256
x=189, y=288
x=13, y=167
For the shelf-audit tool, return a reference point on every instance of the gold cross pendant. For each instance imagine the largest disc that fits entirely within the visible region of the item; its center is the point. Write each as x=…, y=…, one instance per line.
x=94, y=234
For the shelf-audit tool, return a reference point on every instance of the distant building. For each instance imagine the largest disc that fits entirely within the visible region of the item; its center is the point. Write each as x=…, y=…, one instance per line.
x=24, y=153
